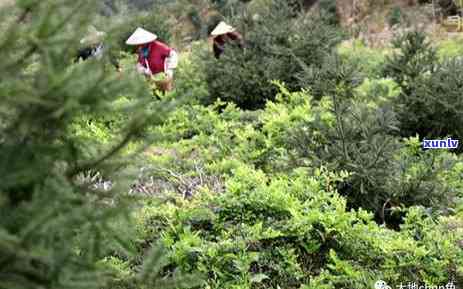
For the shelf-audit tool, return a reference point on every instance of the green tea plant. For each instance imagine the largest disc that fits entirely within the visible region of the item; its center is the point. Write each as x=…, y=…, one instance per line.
x=294, y=231
x=190, y=76
x=360, y=137
x=450, y=48
x=280, y=216
x=367, y=61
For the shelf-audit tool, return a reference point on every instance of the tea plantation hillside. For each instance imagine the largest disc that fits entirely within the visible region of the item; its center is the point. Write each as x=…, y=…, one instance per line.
x=307, y=156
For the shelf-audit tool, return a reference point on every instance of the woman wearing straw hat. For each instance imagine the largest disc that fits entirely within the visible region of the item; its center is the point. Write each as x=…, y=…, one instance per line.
x=154, y=56
x=94, y=47
x=222, y=34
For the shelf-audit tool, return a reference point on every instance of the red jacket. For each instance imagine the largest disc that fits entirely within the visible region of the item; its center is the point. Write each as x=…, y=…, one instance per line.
x=157, y=54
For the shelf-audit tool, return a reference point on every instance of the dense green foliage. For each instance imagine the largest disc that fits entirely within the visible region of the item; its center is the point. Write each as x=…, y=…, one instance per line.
x=56, y=219
x=430, y=103
x=329, y=11
x=292, y=163
x=128, y=20
x=277, y=47
x=276, y=220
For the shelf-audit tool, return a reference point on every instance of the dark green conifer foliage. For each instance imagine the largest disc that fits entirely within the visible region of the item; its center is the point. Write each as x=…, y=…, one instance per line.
x=276, y=43
x=51, y=225
x=430, y=103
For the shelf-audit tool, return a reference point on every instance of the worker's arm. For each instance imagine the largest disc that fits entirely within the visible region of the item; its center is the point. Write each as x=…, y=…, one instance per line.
x=218, y=45
x=171, y=63
x=237, y=37
x=218, y=49
x=142, y=66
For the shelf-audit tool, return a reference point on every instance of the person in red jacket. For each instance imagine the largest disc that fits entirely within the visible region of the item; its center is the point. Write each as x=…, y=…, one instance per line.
x=223, y=34
x=154, y=56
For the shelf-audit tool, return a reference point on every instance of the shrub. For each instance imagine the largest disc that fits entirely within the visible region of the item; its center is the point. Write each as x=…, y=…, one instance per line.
x=377, y=92
x=368, y=61
x=190, y=76
x=361, y=142
x=430, y=102
x=329, y=11
x=335, y=75
x=450, y=48
x=294, y=232
x=425, y=178
x=278, y=222
x=360, y=137
x=274, y=49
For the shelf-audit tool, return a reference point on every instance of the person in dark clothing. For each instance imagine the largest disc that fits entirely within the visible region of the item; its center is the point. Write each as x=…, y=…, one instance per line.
x=94, y=48
x=89, y=51
x=222, y=35
x=97, y=52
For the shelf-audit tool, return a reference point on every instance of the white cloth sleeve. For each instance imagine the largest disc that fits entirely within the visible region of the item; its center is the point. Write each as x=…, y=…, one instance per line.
x=169, y=73
x=171, y=61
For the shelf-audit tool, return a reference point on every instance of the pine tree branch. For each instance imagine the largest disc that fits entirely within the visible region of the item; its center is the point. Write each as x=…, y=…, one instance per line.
x=340, y=126
x=34, y=46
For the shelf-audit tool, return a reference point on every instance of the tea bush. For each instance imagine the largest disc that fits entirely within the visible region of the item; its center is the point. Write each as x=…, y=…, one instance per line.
x=288, y=232
x=281, y=220
x=377, y=92
x=450, y=48
x=190, y=83
x=357, y=136
x=369, y=62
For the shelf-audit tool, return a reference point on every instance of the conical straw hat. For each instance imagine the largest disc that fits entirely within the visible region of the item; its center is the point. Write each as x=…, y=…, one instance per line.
x=141, y=36
x=93, y=37
x=222, y=28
